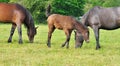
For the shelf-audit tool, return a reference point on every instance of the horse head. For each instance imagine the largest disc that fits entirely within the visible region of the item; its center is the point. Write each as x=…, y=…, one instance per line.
x=31, y=33
x=80, y=37
x=85, y=35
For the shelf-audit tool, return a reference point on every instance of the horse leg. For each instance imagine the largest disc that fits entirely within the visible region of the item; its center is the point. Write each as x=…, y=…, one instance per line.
x=51, y=30
x=20, y=33
x=11, y=32
x=96, y=32
x=68, y=34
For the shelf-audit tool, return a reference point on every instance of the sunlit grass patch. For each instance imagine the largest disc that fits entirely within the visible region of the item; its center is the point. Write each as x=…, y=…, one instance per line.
x=38, y=54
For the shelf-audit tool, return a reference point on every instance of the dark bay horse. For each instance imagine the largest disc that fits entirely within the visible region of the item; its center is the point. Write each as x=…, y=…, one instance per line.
x=102, y=18
x=17, y=14
x=67, y=24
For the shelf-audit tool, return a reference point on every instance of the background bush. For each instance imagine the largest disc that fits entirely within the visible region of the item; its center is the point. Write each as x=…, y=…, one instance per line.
x=66, y=7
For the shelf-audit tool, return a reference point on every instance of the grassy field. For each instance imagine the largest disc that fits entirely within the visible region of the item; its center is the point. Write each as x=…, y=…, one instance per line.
x=38, y=54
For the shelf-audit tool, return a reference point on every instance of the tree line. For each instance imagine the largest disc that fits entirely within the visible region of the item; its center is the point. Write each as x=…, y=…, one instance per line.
x=74, y=8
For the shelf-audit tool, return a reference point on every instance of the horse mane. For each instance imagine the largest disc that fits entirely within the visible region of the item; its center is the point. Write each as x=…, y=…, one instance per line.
x=28, y=22
x=79, y=26
x=92, y=11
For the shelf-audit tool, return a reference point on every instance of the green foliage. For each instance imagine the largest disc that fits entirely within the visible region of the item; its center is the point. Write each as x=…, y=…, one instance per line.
x=104, y=3
x=4, y=0
x=91, y=3
x=38, y=7
x=68, y=7
x=111, y=3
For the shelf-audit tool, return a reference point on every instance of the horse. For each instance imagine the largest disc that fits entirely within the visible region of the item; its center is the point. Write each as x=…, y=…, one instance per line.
x=101, y=18
x=78, y=39
x=16, y=14
x=67, y=24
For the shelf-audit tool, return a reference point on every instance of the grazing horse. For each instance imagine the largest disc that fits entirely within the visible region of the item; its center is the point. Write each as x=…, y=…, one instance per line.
x=101, y=18
x=67, y=24
x=17, y=14
x=78, y=39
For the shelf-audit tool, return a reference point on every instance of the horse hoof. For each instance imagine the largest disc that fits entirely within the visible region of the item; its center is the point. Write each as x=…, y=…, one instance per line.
x=48, y=46
x=63, y=45
x=9, y=41
x=97, y=48
x=67, y=47
x=78, y=46
x=20, y=42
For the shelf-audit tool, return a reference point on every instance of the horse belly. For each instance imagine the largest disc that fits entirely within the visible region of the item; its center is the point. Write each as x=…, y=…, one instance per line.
x=58, y=26
x=5, y=19
x=109, y=25
x=63, y=26
x=109, y=21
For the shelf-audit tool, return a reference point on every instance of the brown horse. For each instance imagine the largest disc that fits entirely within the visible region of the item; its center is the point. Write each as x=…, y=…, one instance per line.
x=67, y=24
x=17, y=14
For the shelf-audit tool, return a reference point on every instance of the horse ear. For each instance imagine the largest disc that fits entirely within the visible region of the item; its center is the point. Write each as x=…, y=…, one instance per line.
x=36, y=27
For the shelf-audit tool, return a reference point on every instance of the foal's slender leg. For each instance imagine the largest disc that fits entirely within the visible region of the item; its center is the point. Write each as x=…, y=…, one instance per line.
x=96, y=32
x=51, y=30
x=20, y=33
x=11, y=32
x=68, y=34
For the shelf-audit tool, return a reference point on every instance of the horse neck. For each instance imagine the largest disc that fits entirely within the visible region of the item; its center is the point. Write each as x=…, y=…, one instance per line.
x=80, y=27
x=31, y=25
x=29, y=22
x=85, y=18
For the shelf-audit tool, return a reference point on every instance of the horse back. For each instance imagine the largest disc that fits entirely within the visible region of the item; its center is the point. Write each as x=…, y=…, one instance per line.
x=10, y=12
x=61, y=21
x=110, y=18
x=105, y=18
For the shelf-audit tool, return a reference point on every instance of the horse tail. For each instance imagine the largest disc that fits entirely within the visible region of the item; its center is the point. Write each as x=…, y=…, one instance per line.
x=48, y=10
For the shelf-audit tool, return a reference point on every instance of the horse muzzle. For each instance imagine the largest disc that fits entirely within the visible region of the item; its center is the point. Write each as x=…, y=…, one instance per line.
x=31, y=41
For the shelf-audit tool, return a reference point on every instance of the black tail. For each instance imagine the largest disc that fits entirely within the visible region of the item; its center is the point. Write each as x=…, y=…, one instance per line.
x=48, y=10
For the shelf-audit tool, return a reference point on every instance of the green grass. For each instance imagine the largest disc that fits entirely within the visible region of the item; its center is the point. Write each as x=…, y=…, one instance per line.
x=38, y=54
